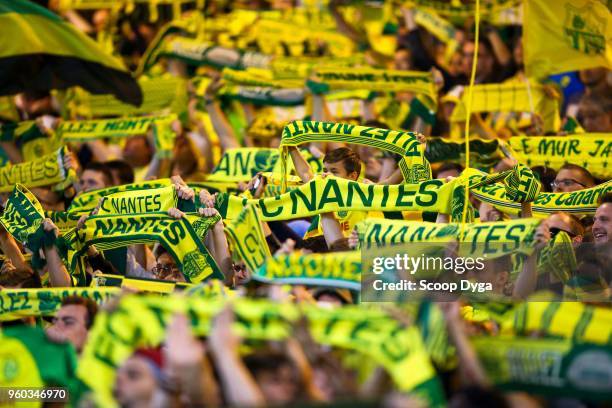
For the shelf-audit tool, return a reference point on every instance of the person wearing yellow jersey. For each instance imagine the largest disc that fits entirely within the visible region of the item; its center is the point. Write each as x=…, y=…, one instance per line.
x=341, y=162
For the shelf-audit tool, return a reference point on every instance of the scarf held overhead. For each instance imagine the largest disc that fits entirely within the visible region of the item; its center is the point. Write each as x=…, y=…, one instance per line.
x=182, y=238
x=142, y=320
x=45, y=171
x=414, y=166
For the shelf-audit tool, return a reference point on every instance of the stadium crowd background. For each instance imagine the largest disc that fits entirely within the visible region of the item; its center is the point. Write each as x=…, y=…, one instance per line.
x=214, y=118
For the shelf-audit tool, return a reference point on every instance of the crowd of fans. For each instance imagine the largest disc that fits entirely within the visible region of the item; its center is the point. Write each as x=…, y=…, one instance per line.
x=191, y=371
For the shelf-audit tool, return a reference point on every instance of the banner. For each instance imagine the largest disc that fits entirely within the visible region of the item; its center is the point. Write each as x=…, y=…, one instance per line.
x=336, y=270
x=554, y=368
x=139, y=321
x=45, y=171
x=590, y=150
x=566, y=35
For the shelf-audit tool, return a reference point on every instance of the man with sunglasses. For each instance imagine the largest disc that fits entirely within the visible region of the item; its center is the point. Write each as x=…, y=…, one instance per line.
x=564, y=222
x=166, y=267
x=572, y=177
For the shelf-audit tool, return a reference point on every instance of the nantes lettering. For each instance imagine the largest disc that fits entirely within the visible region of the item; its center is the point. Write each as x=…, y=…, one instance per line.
x=130, y=225
x=132, y=205
x=404, y=143
x=30, y=173
x=316, y=197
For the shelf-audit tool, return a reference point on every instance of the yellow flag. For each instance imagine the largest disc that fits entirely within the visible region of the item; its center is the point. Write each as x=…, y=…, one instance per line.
x=566, y=35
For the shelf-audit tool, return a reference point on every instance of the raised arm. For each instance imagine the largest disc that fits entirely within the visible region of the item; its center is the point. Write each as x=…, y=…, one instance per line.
x=58, y=274
x=11, y=250
x=301, y=165
x=227, y=137
x=527, y=280
x=500, y=49
x=473, y=372
x=344, y=27
x=187, y=364
x=239, y=386
x=332, y=231
x=220, y=252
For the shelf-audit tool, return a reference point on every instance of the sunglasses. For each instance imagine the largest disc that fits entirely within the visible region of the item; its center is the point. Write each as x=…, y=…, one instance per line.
x=238, y=267
x=554, y=231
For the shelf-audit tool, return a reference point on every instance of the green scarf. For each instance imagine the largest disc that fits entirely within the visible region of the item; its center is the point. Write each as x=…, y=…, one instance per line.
x=439, y=28
x=483, y=153
x=144, y=201
x=337, y=270
x=260, y=78
x=84, y=130
x=182, y=238
x=161, y=94
x=555, y=368
x=457, y=9
x=591, y=151
x=20, y=303
x=264, y=96
x=493, y=239
x=45, y=171
x=85, y=202
x=508, y=97
x=247, y=238
x=332, y=194
x=373, y=79
x=577, y=202
x=568, y=320
x=243, y=163
x=520, y=183
x=140, y=284
x=139, y=321
x=22, y=218
x=414, y=166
